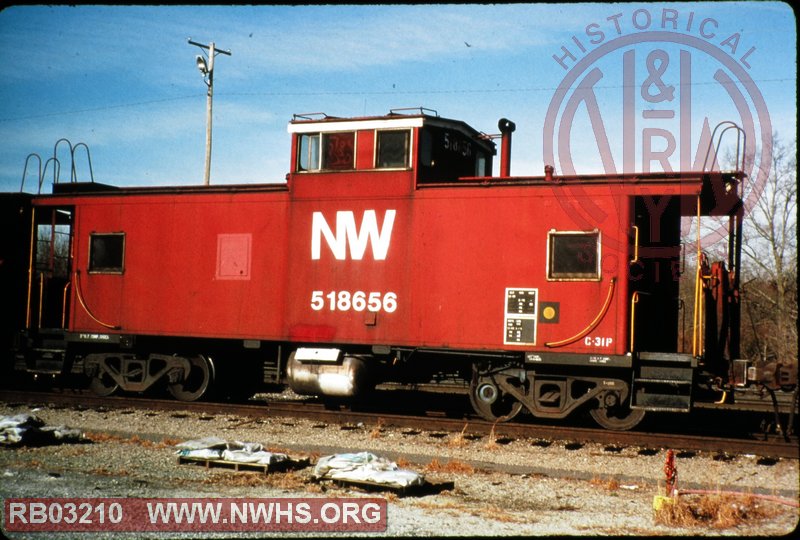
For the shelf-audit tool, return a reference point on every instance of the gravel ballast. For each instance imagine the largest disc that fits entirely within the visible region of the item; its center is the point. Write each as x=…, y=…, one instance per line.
x=523, y=487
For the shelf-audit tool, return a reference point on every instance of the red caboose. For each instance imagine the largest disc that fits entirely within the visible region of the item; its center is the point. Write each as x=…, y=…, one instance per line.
x=389, y=254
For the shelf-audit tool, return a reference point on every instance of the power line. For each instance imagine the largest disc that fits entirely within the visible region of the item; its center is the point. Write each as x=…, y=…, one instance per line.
x=359, y=93
x=96, y=109
x=479, y=90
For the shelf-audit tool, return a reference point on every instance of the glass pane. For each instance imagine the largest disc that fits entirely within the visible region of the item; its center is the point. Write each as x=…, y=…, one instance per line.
x=52, y=249
x=313, y=153
x=480, y=165
x=308, y=158
x=574, y=255
x=339, y=151
x=43, y=247
x=106, y=252
x=61, y=235
x=392, y=149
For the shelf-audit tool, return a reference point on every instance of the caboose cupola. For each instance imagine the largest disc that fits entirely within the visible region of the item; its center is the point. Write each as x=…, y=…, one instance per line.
x=427, y=147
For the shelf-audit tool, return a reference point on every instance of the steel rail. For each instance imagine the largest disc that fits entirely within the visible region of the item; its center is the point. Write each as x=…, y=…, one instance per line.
x=774, y=447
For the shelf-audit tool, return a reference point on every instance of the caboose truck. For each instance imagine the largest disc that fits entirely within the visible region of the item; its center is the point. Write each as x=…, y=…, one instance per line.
x=389, y=255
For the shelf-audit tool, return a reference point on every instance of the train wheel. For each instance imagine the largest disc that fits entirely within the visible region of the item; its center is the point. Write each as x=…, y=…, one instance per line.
x=617, y=418
x=490, y=402
x=196, y=383
x=103, y=385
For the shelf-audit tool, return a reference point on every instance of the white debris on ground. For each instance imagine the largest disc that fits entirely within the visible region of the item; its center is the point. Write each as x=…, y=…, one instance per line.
x=28, y=429
x=215, y=448
x=366, y=467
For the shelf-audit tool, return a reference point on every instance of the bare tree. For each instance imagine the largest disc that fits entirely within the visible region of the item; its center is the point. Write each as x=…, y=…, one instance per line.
x=770, y=259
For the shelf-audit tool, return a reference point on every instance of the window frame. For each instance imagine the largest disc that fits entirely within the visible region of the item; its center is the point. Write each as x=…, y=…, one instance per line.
x=316, y=149
x=91, y=268
x=312, y=150
x=596, y=275
x=409, y=141
x=323, y=154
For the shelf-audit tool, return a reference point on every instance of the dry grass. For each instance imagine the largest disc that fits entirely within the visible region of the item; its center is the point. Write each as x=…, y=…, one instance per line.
x=164, y=443
x=491, y=444
x=459, y=440
x=377, y=430
x=719, y=511
x=608, y=484
x=290, y=480
x=146, y=443
x=103, y=437
x=454, y=466
x=104, y=471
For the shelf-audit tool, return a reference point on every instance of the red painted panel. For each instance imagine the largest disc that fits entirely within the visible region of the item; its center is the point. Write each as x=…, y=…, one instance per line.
x=355, y=258
x=172, y=283
x=359, y=185
x=484, y=243
x=451, y=255
x=233, y=256
x=365, y=148
x=346, y=262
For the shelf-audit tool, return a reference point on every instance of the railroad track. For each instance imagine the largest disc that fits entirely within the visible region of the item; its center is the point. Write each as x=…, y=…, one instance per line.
x=433, y=421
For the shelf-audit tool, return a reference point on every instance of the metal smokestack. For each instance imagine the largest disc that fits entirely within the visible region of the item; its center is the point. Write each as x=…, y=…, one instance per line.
x=548, y=173
x=506, y=127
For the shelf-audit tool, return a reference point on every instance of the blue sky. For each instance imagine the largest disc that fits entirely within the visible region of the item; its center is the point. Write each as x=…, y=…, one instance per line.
x=123, y=80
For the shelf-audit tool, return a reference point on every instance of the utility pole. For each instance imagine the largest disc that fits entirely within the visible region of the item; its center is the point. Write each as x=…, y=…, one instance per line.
x=207, y=69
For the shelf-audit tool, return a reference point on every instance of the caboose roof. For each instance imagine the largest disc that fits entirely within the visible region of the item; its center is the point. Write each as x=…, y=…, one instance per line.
x=322, y=123
x=331, y=124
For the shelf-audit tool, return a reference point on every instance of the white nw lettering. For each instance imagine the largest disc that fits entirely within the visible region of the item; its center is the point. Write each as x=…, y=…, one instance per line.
x=348, y=236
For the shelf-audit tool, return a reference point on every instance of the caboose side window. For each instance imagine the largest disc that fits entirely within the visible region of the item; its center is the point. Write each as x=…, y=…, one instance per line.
x=481, y=165
x=106, y=253
x=327, y=151
x=392, y=151
x=308, y=152
x=573, y=255
x=446, y=154
x=339, y=151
